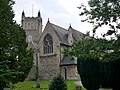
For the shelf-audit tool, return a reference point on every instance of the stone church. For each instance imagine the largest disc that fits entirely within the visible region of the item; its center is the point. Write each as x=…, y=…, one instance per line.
x=50, y=43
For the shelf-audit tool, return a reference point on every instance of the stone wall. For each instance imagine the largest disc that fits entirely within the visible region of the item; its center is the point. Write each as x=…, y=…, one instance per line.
x=32, y=74
x=48, y=67
x=32, y=27
x=49, y=63
x=71, y=72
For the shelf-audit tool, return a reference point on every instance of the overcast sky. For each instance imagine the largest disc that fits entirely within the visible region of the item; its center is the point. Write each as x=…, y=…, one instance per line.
x=59, y=12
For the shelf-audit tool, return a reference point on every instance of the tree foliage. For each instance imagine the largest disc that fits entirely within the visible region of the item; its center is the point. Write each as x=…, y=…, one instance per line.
x=88, y=68
x=99, y=59
x=15, y=59
x=92, y=47
x=98, y=62
x=102, y=12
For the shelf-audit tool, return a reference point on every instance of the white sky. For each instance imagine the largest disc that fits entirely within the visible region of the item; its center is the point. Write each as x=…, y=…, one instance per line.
x=59, y=12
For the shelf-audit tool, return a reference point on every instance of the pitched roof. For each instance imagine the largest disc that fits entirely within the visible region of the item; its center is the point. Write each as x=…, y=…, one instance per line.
x=69, y=60
x=77, y=35
x=63, y=34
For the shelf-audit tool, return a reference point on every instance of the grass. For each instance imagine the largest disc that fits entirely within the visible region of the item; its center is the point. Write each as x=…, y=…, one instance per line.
x=31, y=85
x=101, y=89
x=27, y=85
x=71, y=84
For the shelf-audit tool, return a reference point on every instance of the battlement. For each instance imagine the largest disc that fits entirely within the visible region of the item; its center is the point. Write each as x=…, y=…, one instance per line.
x=32, y=26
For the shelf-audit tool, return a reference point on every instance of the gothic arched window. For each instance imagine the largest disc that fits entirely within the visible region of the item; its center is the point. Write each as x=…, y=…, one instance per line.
x=48, y=44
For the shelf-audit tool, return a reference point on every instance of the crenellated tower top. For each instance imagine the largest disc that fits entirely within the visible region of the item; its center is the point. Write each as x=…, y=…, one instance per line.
x=32, y=26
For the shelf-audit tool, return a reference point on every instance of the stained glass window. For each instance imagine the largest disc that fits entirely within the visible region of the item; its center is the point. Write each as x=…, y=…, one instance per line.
x=48, y=44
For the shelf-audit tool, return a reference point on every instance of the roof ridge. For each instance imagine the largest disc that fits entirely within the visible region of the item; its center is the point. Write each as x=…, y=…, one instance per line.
x=77, y=31
x=59, y=27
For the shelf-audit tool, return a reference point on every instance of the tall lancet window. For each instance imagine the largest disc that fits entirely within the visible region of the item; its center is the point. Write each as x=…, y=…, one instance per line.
x=48, y=44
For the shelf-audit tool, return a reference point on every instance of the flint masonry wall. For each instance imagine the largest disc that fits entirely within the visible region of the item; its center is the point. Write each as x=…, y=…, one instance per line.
x=71, y=72
x=49, y=63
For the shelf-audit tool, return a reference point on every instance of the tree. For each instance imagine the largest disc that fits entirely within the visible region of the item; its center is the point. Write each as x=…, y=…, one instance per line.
x=102, y=12
x=15, y=60
x=88, y=68
x=58, y=83
x=87, y=52
x=99, y=13
x=98, y=62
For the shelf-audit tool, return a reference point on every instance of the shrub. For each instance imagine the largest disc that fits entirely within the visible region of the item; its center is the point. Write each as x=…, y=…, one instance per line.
x=88, y=69
x=3, y=83
x=58, y=83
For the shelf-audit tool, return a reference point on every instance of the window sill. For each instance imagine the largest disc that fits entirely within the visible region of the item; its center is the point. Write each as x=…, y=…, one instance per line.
x=48, y=55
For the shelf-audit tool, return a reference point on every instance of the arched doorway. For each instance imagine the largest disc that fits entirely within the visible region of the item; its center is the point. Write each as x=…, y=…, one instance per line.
x=65, y=69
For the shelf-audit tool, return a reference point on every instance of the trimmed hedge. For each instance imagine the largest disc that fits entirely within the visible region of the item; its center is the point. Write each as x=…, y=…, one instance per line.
x=95, y=73
x=88, y=68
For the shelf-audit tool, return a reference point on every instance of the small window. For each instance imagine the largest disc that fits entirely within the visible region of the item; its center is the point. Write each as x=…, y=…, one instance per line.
x=31, y=25
x=28, y=25
x=48, y=44
x=35, y=25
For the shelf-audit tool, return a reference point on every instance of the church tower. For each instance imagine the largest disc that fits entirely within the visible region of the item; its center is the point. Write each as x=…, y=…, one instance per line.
x=33, y=30
x=32, y=27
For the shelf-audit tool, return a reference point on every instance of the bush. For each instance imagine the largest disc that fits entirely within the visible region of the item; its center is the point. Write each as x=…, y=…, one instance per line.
x=58, y=83
x=110, y=71
x=3, y=83
x=88, y=69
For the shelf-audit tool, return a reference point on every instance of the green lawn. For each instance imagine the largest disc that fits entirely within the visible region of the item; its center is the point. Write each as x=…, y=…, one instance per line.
x=27, y=85
x=31, y=85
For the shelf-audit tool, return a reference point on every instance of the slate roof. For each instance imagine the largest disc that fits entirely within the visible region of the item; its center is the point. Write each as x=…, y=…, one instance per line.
x=69, y=60
x=77, y=35
x=63, y=34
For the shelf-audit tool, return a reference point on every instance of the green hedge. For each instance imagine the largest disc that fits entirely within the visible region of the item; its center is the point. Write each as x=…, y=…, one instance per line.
x=88, y=68
x=95, y=73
